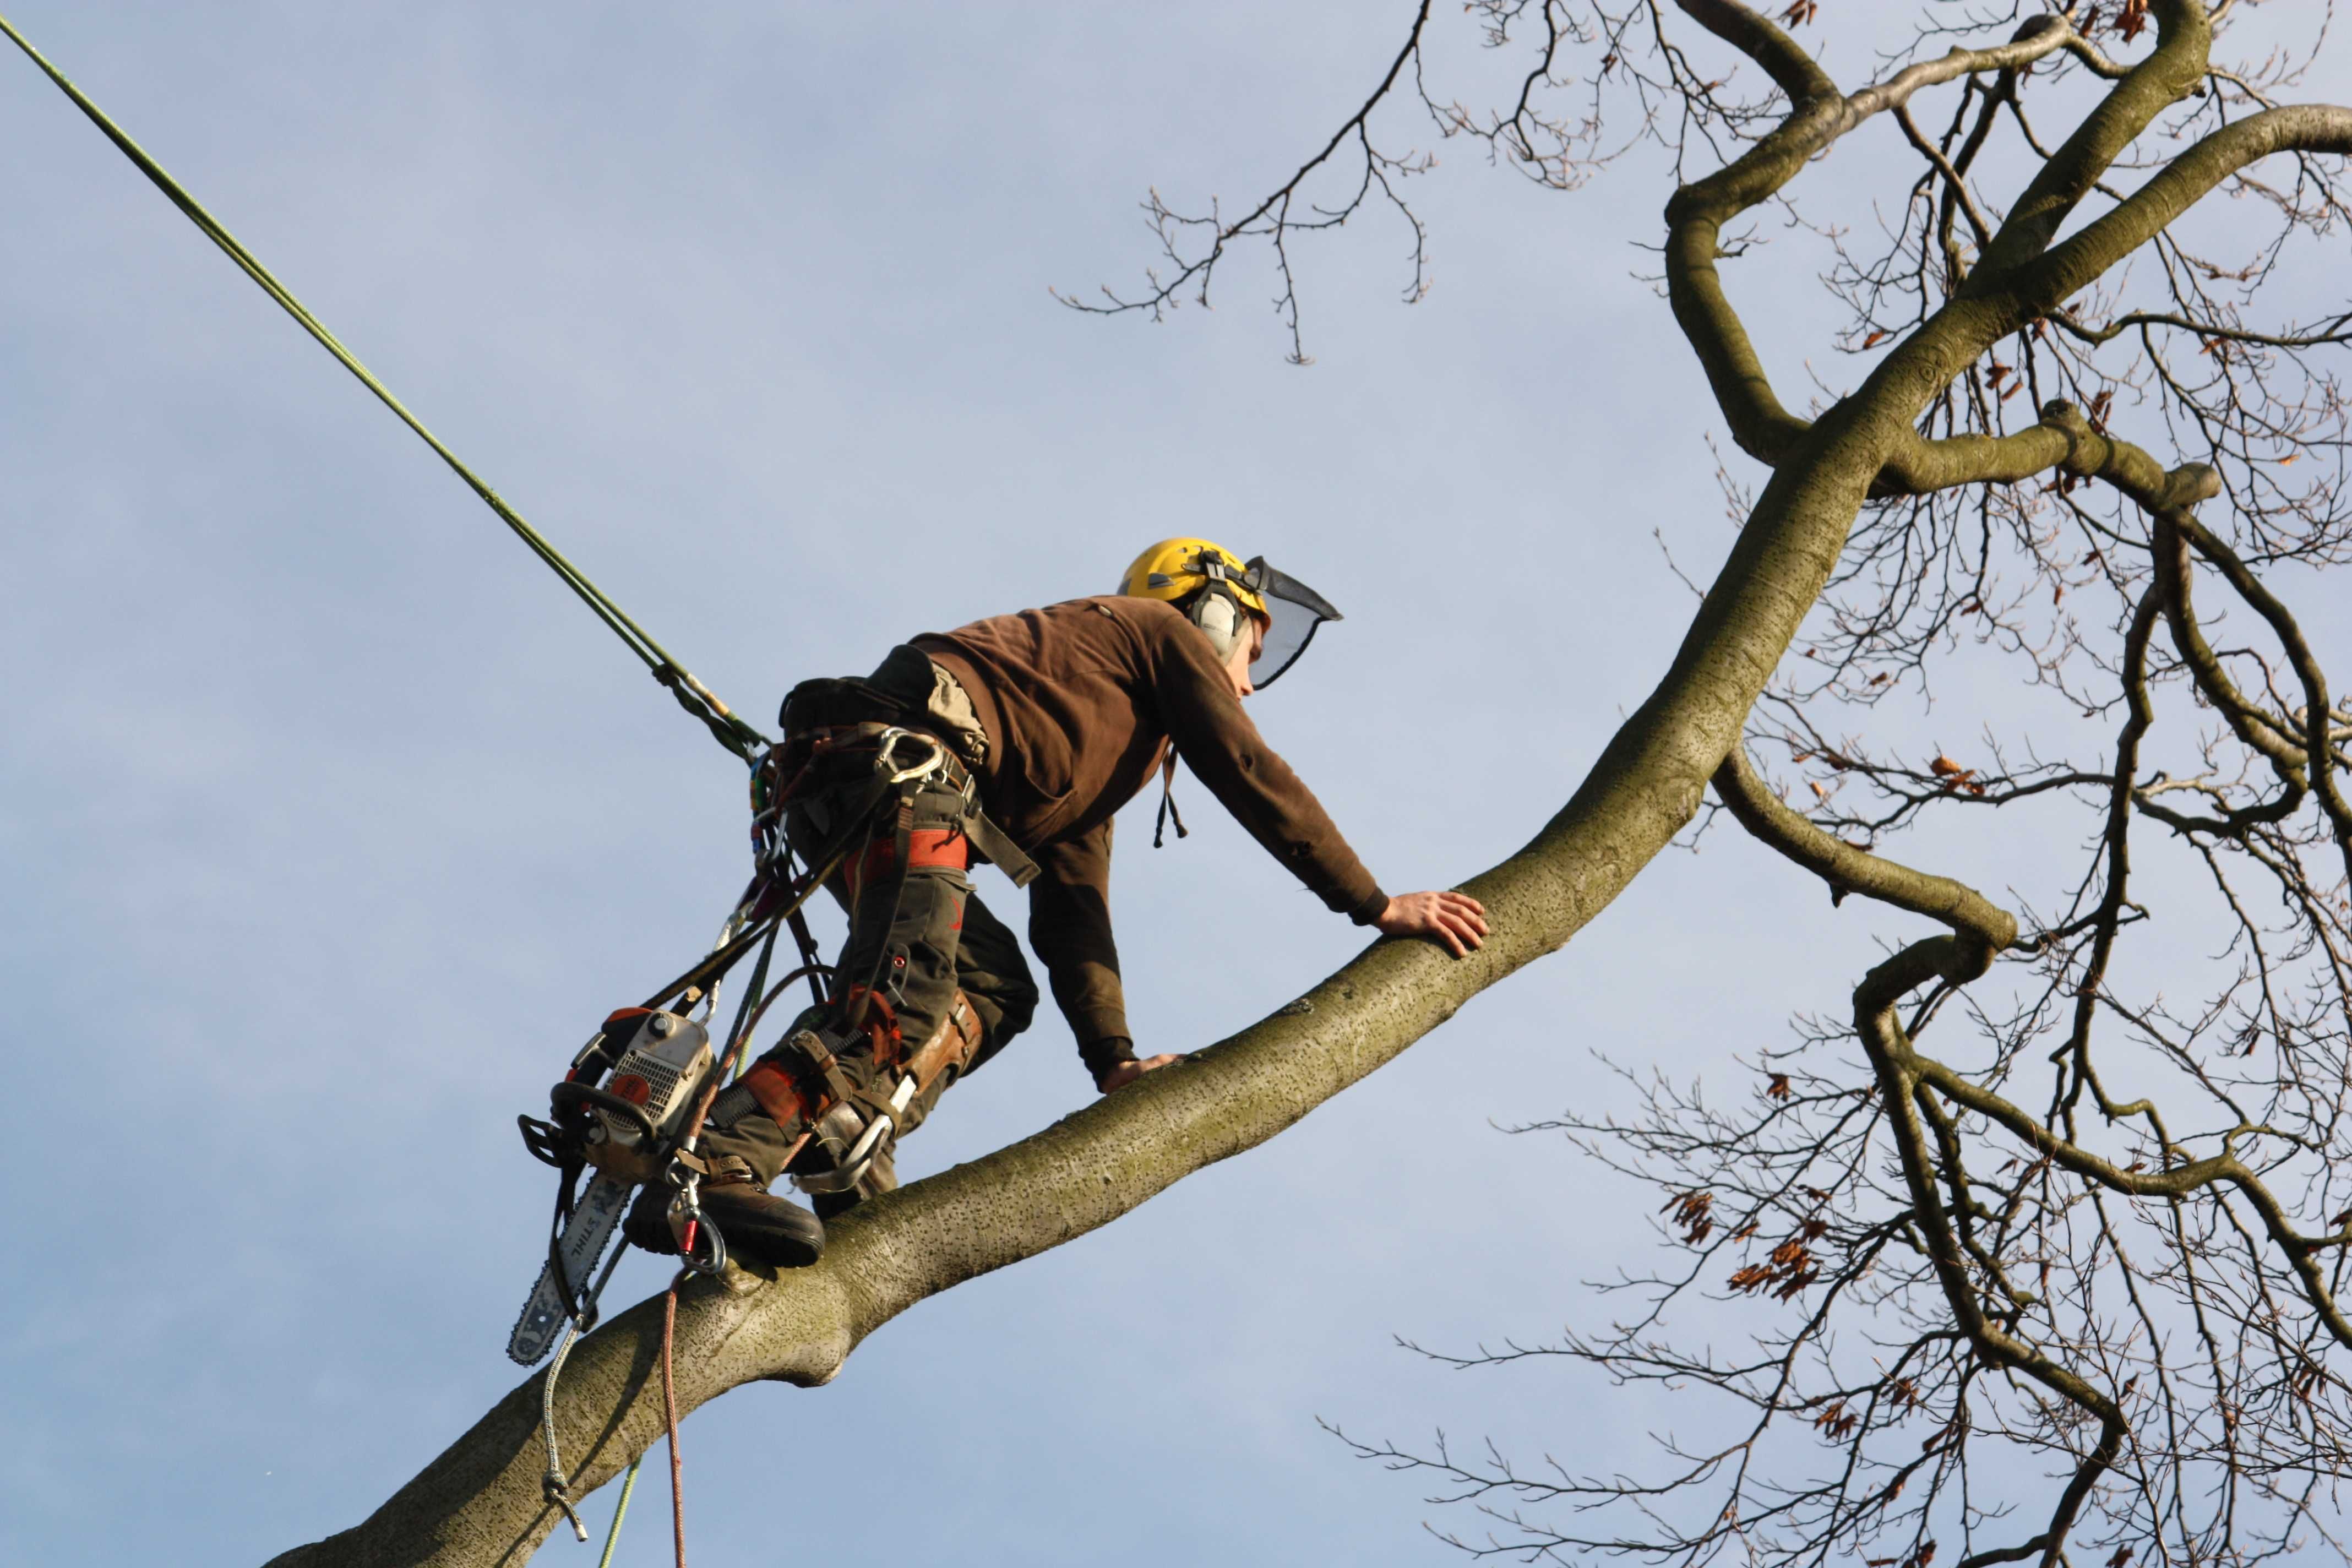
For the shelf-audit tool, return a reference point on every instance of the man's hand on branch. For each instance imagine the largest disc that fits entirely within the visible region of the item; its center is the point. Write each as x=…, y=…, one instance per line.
x=1127, y=1072
x=1455, y=920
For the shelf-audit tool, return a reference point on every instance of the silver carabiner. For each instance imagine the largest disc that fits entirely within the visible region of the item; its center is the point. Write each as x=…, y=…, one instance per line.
x=887, y=746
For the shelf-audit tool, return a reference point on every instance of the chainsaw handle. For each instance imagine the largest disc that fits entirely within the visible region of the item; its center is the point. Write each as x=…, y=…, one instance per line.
x=548, y=1143
x=565, y=1096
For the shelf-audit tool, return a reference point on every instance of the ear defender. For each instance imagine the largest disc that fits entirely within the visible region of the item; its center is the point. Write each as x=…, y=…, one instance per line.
x=1221, y=619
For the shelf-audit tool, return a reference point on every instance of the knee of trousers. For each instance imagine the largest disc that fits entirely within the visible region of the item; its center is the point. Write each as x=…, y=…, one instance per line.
x=1004, y=1008
x=995, y=978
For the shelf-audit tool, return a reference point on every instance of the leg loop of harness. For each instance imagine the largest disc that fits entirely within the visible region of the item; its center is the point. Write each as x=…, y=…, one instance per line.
x=854, y=1137
x=902, y=759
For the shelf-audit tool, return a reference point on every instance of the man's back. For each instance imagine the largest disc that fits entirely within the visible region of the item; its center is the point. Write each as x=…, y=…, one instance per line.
x=1080, y=701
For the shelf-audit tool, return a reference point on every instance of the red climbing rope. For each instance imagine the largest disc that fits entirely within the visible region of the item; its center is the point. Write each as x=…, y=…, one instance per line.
x=669, y=1410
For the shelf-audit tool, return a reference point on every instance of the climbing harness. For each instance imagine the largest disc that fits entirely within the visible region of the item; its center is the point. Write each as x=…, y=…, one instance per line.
x=637, y=1095
x=697, y=698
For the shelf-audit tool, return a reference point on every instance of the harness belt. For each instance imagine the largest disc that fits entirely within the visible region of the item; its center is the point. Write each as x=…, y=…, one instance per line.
x=788, y=767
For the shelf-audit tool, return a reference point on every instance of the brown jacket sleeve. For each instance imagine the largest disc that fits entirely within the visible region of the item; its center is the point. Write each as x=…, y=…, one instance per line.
x=1069, y=925
x=1225, y=752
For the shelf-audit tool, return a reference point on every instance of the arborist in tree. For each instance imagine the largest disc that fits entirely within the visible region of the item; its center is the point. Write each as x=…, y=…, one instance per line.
x=1015, y=740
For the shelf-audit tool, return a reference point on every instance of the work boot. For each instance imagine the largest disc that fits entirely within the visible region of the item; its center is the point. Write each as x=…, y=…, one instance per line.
x=756, y=1223
x=744, y=1149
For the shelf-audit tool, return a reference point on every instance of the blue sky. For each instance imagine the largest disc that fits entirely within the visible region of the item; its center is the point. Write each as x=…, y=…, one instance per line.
x=332, y=824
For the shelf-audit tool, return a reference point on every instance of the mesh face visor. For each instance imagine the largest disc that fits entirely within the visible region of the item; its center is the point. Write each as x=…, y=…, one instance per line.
x=1297, y=610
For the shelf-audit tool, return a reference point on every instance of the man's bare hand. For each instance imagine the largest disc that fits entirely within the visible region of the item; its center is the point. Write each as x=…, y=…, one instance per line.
x=1127, y=1073
x=1455, y=920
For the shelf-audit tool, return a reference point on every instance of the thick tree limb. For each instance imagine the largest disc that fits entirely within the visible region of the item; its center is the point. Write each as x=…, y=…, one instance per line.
x=1957, y=960
x=2184, y=39
x=2075, y=263
x=1851, y=869
x=1920, y=467
x=1818, y=115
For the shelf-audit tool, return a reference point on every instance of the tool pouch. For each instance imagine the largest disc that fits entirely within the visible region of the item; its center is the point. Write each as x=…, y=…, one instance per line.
x=905, y=688
x=898, y=692
x=835, y=703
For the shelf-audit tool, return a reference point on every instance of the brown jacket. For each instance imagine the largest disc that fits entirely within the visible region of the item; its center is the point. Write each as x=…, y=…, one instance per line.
x=1080, y=701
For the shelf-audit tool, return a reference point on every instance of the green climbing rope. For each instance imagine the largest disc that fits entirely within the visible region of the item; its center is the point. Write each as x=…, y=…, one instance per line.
x=613, y=1536
x=693, y=696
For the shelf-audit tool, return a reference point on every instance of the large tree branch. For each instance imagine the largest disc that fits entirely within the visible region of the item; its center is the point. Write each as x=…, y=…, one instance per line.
x=1956, y=961
x=2184, y=38
x=2074, y=264
x=1920, y=465
x=1818, y=116
x=2249, y=722
x=2062, y=438
x=1851, y=869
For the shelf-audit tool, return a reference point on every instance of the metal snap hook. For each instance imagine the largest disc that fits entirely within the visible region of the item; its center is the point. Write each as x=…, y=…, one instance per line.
x=713, y=1262
x=886, y=747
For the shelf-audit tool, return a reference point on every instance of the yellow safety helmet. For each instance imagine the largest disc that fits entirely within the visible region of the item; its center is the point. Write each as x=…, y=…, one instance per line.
x=1213, y=586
